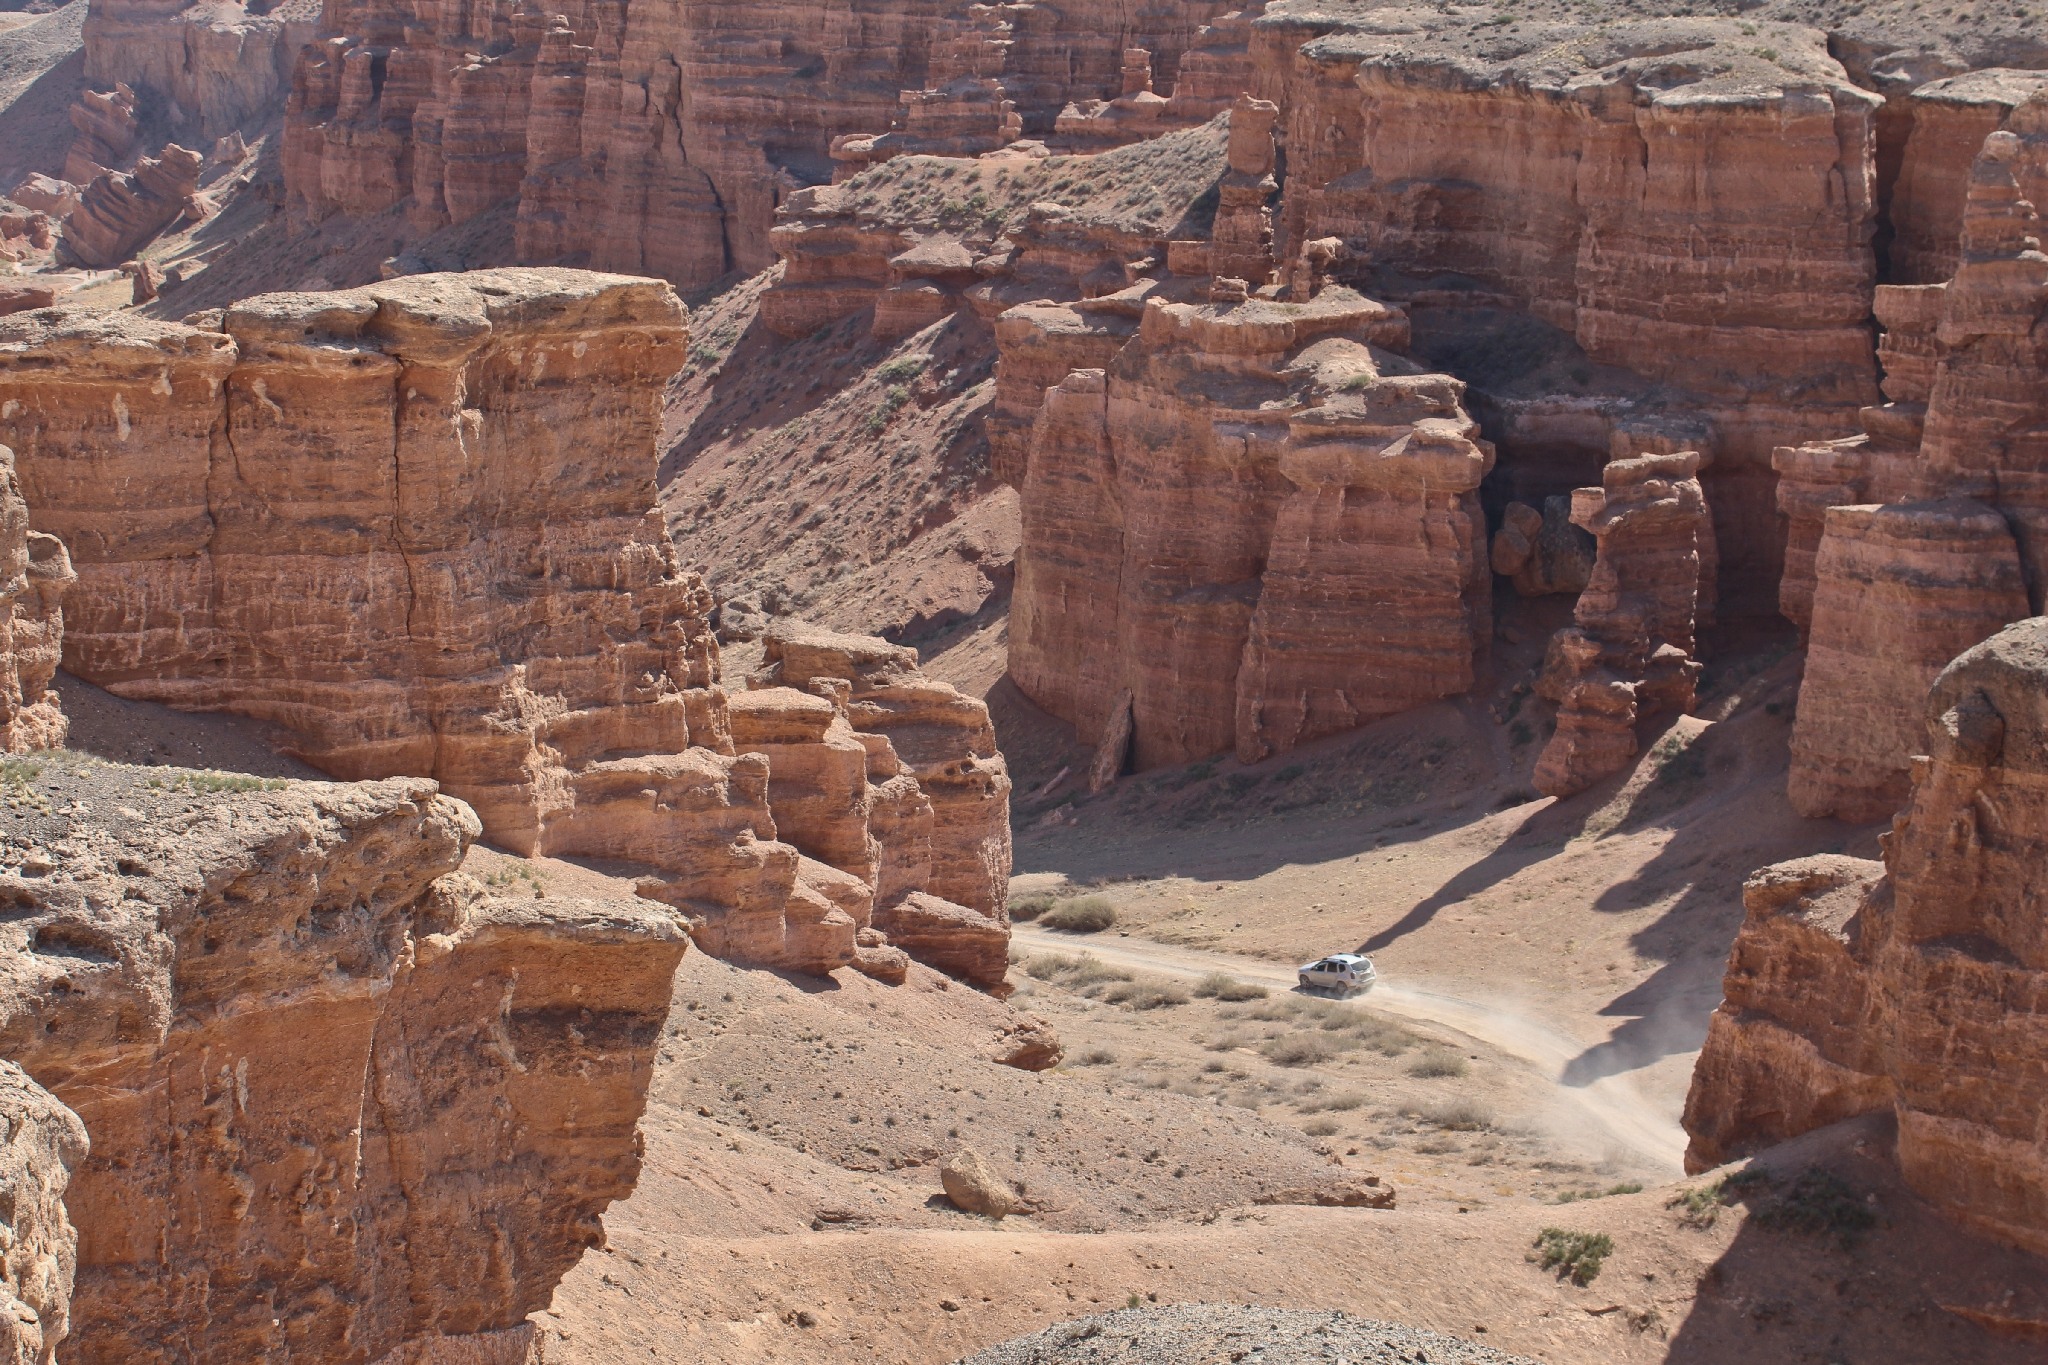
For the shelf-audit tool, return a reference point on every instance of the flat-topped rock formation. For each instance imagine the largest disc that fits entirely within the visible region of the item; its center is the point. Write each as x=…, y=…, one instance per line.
x=415, y=526
x=1340, y=572
x=1920, y=984
x=340, y=1101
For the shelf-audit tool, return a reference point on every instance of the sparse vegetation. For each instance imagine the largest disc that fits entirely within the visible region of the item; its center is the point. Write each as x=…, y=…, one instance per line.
x=903, y=368
x=1576, y=1256
x=1081, y=915
x=1818, y=1203
x=1224, y=986
x=1438, y=1062
x=210, y=782
x=1575, y=1196
x=1298, y=1049
x=1701, y=1205
x=1457, y=1116
x=1024, y=909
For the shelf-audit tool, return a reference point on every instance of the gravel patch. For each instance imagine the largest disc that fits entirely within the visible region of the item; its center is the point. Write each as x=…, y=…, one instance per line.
x=1211, y=1331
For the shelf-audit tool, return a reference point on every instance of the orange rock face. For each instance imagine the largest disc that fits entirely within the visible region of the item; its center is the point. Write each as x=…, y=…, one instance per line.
x=1892, y=592
x=338, y=1100
x=1628, y=654
x=1950, y=120
x=213, y=66
x=1919, y=984
x=1902, y=589
x=1340, y=574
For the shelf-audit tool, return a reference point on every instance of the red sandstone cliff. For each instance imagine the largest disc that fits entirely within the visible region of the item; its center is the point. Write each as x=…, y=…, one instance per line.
x=414, y=525
x=338, y=1101
x=659, y=137
x=1890, y=593
x=1919, y=984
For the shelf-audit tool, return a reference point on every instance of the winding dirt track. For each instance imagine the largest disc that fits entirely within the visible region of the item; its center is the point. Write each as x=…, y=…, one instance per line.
x=1609, y=1108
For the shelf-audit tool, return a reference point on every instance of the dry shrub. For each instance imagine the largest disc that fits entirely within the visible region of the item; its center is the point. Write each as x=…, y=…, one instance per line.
x=1298, y=1049
x=1147, y=993
x=1458, y=1116
x=1224, y=986
x=1436, y=1063
x=1321, y=1127
x=1082, y=915
x=1024, y=909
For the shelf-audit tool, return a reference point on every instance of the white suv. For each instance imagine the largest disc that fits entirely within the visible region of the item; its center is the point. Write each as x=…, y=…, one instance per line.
x=1339, y=972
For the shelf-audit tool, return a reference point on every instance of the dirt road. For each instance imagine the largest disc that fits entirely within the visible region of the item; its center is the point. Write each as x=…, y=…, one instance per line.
x=1608, y=1115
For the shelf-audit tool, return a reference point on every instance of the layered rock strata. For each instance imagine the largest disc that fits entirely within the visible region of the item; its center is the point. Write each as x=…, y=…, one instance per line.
x=1543, y=552
x=1902, y=590
x=108, y=134
x=1958, y=454
x=122, y=212
x=1918, y=985
x=1340, y=574
x=1675, y=204
x=341, y=1103
x=1629, y=653
x=415, y=526
x=660, y=137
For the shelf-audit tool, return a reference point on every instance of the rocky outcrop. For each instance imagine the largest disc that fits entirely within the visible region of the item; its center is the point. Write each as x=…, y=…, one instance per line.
x=339, y=1101
x=120, y=213
x=943, y=740
x=1341, y=573
x=1918, y=985
x=1890, y=593
x=415, y=526
x=45, y=1143
x=1572, y=175
x=109, y=134
x=35, y=575
x=1629, y=653
x=659, y=137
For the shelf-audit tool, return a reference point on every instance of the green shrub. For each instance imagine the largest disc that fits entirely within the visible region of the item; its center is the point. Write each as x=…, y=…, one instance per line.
x=902, y=368
x=1575, y=1196
x=1224, y=986
x=1576, y=1256
x=1819, y=1203
x=1082, y=915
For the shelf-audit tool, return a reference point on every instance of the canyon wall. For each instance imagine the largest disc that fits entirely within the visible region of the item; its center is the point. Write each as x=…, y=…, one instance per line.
x=1690, y=217
x=35, y=576
x=339, y=1100
x=1918, y=985
x=415, y=527
x=1928, y=530
x=659, y=137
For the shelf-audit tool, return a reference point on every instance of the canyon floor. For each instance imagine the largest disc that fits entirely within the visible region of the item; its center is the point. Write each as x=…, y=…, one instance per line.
x=1547, y=969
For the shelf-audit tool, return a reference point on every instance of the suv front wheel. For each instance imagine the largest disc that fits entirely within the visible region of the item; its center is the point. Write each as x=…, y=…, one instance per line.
x=1307, y=984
